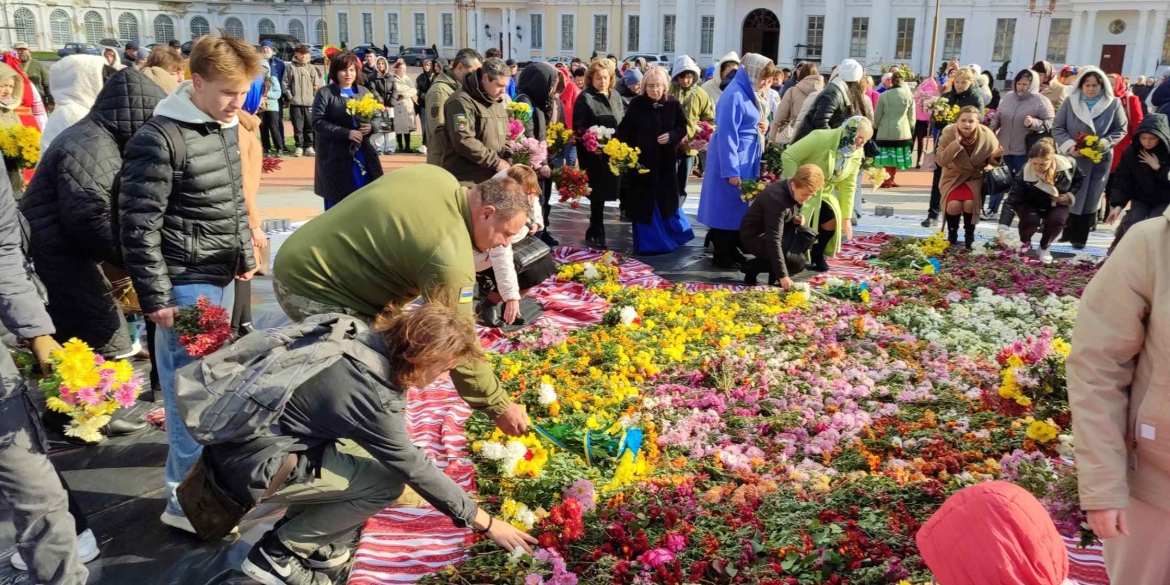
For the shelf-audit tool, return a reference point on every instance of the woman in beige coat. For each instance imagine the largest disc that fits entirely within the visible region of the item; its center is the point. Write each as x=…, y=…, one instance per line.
x=965, y=149
x=1117, y=389
x=808, y=81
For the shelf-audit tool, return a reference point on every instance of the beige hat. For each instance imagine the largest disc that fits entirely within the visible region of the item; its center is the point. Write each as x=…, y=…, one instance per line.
x=20, y=46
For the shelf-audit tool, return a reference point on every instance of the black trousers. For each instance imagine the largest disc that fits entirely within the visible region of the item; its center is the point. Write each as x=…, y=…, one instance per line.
x=302, y=123
x=1077, y=229
x=270, y=130
x=796, y=242
x=242, y=305
x=403, y=141
x=727, y=247
x=546, y=199
x=935, y=193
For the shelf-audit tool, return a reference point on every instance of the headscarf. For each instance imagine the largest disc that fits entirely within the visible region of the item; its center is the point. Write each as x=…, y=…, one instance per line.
x=848, y=144
x=1119, y=87
x=15, y=99
x=755, y=64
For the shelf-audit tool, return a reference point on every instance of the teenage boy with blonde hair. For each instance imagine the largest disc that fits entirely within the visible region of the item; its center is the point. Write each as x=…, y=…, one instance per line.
x=183, y=223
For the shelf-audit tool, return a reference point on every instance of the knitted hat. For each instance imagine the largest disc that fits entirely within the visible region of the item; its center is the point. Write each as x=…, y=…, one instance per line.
x=632, y=76
x=850, y=71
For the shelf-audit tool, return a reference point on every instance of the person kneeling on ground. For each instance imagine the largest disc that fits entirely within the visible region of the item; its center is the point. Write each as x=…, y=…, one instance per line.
x=773, y=228
x=1142, y=179
x=405, y=233
x=499, y=278
x=343, y=443
x=1042, y=192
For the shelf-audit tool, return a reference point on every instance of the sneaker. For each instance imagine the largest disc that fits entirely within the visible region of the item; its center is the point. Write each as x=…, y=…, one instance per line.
x=310, y=151
x=929, y=222
x=87, y=550
x=329, y=556
x=299, y=151
x=182, y=523
x=1046, y=256
x=272, y=563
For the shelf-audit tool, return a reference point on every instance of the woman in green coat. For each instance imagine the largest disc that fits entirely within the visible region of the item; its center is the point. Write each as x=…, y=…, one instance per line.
x=895, y=121
x=839, y=153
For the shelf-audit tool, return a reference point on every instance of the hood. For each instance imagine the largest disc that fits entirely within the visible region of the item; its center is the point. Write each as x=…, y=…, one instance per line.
x=537, y=82
x=126, y=102
x=754, y=64
x=382, y=60
x=18, y=87
x=178, y=106
x=471, y=84
x=981, y=80
x=1158, y=125
x=1078, y=104
x=249, y=122
x=997, y=522
x=77, y=79
x=1034, y=88
x=684, y=64
x=1119, y=87
x=446, y=77
x=731, y=57
x=161, y=77
x=810, y=84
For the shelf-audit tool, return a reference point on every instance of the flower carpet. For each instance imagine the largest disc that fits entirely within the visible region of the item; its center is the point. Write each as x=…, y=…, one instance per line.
x=706, y=434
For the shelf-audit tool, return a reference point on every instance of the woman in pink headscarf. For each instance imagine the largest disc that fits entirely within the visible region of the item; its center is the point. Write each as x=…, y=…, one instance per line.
x=927, y=90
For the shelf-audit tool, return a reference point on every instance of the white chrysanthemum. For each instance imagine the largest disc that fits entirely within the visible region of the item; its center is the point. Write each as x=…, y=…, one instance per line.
x=515, y=449
x=492, y=451
x=588, y=270
x=628, y=315
x=1066, y=447
x=546, y=395
x=526, y=517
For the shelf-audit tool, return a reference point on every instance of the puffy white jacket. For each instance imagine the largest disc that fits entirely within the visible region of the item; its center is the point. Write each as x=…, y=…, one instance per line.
x=76, y=81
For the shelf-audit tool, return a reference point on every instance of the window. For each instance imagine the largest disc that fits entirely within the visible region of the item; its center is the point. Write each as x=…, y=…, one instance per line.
x=343, y=27
x=322, y=33
x=1058, y=32
x=95, y=27
x=633, y=36
x=367, y=28
x=420, y=28
x=953, y=42
x=164, y=29
x=199, y=27
x=707, y=35
x=127, y=27
x=392, y=28
x=536, y=31
x=600, y=32
x=233, y=27
x=668, y=22
x=904, y=45
x=26, y=26
x=566, y=32
x=60, y=27
x=448, y=21
x=815, y=37
x=859, y=39
x=296, y=28
x=1005, y=37
x=265, y=27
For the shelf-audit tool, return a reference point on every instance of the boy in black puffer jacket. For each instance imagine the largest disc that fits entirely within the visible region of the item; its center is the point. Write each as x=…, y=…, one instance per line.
x=1142, y=179
x=183, y=224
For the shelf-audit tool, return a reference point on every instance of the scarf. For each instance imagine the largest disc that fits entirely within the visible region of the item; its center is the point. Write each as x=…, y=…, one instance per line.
x=848, y=143
x=1091, y=102
x=754, y=64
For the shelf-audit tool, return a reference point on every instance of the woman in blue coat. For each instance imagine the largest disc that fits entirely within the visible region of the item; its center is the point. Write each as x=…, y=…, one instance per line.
x=733, y=156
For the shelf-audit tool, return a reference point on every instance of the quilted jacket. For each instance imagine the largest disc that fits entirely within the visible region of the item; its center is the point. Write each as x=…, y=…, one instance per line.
x=69, y=207
x=199, y=232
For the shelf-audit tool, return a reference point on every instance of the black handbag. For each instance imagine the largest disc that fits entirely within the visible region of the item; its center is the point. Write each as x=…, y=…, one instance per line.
x=527, y=252
x=997, y=180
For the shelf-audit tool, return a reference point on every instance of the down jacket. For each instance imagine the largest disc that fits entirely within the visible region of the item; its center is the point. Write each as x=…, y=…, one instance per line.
x=70, y=209
x=196, y=231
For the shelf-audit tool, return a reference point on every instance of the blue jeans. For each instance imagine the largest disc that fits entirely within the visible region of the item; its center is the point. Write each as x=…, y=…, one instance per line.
x=170, y=356
x=685, y=165
x=1015, y=162
x=570, y=155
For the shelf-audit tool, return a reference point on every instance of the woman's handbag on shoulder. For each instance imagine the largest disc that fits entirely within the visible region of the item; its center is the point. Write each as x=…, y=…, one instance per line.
x=997, y=180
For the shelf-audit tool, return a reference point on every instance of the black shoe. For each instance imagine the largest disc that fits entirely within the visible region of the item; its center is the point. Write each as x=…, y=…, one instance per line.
x=121, y=428
x=272, y=563
x=329, y=556
x=969, y=237
x=548, y=238
x=1078, y=246
x=953, y=236
x=490, y=314
x=599, y=235
x=929, y=222
x=750, y=277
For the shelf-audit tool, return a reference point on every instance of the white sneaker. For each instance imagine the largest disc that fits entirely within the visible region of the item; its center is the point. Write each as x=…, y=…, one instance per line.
x=134, y=349
x=310, y=151
x=87, y=550
x=299, y=152
x=422, y=149
x=182, y=523
x=1046, y=256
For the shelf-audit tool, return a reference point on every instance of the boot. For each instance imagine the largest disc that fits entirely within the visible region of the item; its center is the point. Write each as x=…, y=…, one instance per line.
x=893, y=174
x=819, y=263
x=599, y=235
x=968, y=232
x=952, y=229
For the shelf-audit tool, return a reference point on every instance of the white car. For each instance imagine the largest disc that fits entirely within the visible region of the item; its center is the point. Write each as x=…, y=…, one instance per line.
x=651, y=59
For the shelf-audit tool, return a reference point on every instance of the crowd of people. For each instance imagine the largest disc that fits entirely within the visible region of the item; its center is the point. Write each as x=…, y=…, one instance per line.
x=150, y=170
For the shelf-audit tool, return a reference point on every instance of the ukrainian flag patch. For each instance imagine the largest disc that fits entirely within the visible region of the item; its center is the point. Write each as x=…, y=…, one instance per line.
x=465, y=294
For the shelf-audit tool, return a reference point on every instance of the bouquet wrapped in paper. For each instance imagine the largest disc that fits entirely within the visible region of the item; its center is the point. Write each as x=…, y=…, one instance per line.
x=698, y=143
x=529, y=151
x=1088, y=145
x=558, y=139
x=88, y=388
x=572, y=184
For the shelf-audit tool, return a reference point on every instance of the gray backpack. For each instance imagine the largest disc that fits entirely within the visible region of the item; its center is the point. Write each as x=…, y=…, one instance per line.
x=239, y=392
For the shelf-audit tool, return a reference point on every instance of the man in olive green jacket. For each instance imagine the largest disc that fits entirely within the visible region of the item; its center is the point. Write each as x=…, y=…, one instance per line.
x=444, y=86
x=385, y=245
x=477, y=124
x=37, y=73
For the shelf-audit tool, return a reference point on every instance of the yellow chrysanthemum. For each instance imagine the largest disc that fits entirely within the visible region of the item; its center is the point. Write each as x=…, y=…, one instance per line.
x=1042, y=431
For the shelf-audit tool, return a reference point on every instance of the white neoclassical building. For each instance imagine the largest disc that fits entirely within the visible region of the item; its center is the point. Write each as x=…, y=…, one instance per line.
x=46, y=25
x=1120, y=35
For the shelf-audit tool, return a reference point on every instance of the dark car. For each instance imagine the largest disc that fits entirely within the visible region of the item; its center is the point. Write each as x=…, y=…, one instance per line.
x=416, y=55
x=78, y=49
x=361, y=51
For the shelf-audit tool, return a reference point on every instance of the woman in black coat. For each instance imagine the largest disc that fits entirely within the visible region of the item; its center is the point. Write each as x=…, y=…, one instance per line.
x=423, y=84
x=346, y=159
x=539, y=86
x=598, y=105
x=1042, y=192
x=656, y=124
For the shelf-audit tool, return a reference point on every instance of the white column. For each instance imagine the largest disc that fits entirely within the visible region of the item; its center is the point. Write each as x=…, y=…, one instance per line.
x=1087, y=50
x=648, y=41
x=720, y=44
x=1137, y=66
x=789, y=30
x=1074, y=38
x=833, y=32
x=684, y=20
x=879, y=46
x=1155, y=41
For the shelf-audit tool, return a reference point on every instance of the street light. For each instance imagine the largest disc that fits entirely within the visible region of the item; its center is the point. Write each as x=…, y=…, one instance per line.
x=1039, y=12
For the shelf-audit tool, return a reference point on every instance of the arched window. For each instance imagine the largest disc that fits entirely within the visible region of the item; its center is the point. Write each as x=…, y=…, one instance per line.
x=199, y=27
x=234, y=27
x=164, y=29
x=60, y=27
x=26, y=26
x=266, y=27
x=95, y=27
x=128, y=27
x=322, y=33
x=297, y=29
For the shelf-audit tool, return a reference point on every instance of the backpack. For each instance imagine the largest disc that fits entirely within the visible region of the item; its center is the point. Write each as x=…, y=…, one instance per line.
x=239, y=392
x=178, y=147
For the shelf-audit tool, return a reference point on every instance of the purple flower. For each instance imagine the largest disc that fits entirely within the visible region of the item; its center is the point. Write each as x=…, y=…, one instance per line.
x=582, y=490
x=534, y=579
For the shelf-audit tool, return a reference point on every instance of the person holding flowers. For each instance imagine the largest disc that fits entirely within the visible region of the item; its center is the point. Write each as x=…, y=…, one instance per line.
x=1087, y=126
x=961, y=93
x=346, y=160
x=733, y=156
x=598, y=105
x=656, y=124
x=894, y=119
x=839, y=154
x=965, y=149
x=697, y=107
x=476, y=125
x=1042, y=194
x=539, y=87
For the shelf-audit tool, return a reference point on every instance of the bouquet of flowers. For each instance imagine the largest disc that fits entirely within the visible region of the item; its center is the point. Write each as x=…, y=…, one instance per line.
x=515, y=129
x=88, y=388
x=21, y=146
x=203, y=328
x=988, y=117
x=623, y=158
x=942, y=112
x=877, y=175
x=750, y=188
x=520, y=112
x=1033, y=376
x=572, y=184
x=847, y=290
x=529, y=151
x=363, y=110
x=1090, y=146
x=558, y=138
x=596, y=137
x=703, y=133
x=772, y=161
x=271, y=164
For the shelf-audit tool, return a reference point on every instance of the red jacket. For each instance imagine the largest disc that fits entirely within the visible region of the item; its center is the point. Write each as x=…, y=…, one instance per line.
x=569, y=96
x=1133, y=112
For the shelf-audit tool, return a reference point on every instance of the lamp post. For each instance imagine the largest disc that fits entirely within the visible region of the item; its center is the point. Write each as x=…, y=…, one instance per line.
x=1039, y=11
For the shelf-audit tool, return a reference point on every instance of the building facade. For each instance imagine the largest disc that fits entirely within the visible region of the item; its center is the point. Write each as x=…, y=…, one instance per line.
x=47, y=25
x=1128, y=36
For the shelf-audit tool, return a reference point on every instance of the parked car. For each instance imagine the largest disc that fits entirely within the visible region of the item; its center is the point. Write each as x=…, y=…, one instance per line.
x=316, y=55
x=416, y=55
x=185, y=48
x=115, y=43
x=78, y=49
x=560, y=60
x=361, y=51
x=651, y=59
